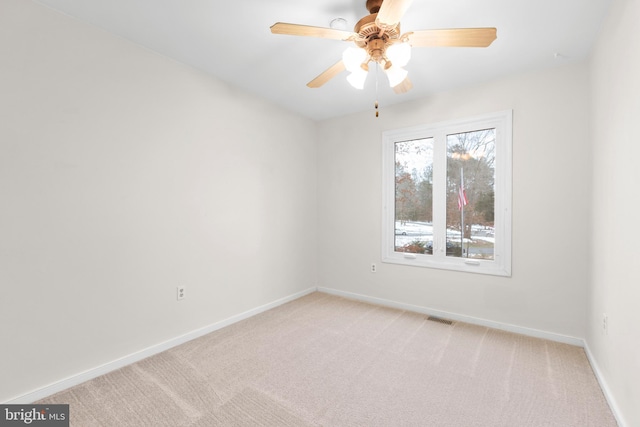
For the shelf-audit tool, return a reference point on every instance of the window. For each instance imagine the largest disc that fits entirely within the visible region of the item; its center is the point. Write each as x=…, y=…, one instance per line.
x=447, y=195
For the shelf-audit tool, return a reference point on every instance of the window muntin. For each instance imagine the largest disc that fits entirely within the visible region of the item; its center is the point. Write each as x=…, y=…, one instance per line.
x=424, y=207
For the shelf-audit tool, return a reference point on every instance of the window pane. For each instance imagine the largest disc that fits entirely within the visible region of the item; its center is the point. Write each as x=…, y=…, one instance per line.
x=471, y=194
x=414, y=196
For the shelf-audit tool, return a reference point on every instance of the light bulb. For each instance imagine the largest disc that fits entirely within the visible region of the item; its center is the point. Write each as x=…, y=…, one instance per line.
x=399, y=53
x=353, y=57
x=357, y=78
x=396, y=75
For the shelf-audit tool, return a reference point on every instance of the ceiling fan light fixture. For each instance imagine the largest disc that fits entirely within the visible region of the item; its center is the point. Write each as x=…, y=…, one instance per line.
x=399, y=53
x=353, y=57
x=357, y=78
x=396, y=75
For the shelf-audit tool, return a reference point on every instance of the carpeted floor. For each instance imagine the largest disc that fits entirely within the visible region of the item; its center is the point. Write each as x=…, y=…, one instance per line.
x=328, y=361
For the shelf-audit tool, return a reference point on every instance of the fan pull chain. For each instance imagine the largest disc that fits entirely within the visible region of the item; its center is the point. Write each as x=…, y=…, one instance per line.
x=376, y=104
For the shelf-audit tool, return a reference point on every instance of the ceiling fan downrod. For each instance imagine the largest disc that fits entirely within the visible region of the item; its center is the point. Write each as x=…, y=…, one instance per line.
x=373, y=6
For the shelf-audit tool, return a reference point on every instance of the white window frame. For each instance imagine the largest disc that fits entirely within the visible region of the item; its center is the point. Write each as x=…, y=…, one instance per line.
x=501, y=264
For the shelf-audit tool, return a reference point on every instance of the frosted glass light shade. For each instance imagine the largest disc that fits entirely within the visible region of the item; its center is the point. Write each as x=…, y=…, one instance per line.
x=399, y=54
x=357, y=78
x=353, y=57
x=396, y=75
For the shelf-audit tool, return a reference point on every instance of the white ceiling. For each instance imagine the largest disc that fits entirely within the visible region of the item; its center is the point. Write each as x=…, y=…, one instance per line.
x=232, y=41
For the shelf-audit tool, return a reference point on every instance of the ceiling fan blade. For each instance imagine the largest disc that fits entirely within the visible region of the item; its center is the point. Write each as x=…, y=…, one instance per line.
x=391, y=12
x=308, y=31
x=453, y=37
x=404, y=87
x=327, y=75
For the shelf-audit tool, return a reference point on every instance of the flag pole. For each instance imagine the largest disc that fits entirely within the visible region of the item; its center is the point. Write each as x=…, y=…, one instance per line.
x=461, y=211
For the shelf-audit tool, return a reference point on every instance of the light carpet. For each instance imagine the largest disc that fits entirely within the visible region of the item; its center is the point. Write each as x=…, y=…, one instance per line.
x=323, y=360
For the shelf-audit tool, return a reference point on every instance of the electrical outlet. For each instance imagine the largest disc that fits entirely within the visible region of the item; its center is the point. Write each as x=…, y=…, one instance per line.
x=181, y=292
x=374, y=268
x=605, y=323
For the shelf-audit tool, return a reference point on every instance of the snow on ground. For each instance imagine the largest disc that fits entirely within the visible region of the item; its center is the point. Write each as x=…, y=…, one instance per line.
x=409, y=231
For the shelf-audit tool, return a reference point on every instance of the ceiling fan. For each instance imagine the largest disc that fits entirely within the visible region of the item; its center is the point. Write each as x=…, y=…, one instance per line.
x=377, y=38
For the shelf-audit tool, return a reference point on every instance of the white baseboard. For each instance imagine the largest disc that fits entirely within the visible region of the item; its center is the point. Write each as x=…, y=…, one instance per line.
x=605, y=387
x=64, y=384
x=459, y=317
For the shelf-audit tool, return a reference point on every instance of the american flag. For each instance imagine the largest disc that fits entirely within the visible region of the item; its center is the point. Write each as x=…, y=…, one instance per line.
x=462, y=197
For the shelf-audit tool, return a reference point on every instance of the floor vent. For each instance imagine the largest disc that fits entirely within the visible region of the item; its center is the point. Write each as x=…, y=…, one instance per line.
x=440, y=320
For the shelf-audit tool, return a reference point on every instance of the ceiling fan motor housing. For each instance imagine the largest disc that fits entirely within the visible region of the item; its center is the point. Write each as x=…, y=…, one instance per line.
x=372, y=38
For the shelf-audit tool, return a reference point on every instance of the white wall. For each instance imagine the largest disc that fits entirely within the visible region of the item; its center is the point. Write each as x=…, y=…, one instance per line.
x=548, y=288
x=615, y=284
x=122, y=175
